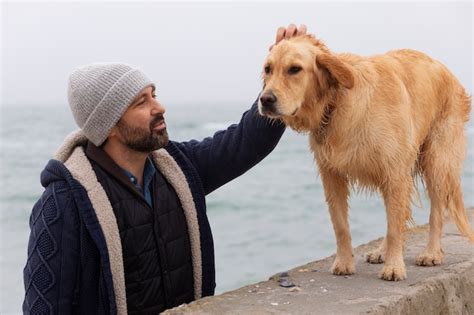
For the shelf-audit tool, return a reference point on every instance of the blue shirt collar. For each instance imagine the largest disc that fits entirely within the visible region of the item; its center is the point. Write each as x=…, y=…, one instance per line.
x=148, y=174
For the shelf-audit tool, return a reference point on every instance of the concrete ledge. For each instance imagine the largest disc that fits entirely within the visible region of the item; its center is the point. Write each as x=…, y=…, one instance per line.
x=445, y=289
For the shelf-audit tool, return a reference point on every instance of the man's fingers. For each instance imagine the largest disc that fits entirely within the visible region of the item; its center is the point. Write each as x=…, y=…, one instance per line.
x=301, y=30
x=290, y=31
x=280, y=35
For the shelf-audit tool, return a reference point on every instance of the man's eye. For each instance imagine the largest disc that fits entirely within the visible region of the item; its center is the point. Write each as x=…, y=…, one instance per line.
x=154, y=96
x=294, y=70
x=267, y=69
x=140, y=102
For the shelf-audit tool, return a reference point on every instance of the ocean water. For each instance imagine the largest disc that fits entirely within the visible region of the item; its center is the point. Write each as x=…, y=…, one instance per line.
x=271, y=219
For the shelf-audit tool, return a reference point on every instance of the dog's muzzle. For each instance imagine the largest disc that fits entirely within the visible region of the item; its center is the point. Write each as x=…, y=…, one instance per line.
x=268, y=102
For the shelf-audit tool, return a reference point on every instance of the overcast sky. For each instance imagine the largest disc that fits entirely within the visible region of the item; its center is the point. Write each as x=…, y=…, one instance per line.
x=209, y=53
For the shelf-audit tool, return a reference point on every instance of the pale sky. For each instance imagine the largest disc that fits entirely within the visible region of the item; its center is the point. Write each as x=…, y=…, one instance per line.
x=209, y=53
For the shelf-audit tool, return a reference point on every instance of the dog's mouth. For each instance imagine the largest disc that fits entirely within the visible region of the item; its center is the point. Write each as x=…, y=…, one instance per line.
x=275, y=113
x=272, y=113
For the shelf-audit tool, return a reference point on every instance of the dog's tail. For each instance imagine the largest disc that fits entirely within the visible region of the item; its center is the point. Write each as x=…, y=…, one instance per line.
x=460, y=102
x=459, y=215
x=455, y=199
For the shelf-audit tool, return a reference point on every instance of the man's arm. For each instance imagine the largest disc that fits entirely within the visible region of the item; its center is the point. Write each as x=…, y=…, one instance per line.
x=53, y=253
x=231, y=152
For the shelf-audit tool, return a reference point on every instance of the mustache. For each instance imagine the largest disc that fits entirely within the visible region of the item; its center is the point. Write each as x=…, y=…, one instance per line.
x=158, y=119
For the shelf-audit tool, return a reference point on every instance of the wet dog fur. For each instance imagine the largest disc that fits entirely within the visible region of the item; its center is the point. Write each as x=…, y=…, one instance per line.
x=375, y=123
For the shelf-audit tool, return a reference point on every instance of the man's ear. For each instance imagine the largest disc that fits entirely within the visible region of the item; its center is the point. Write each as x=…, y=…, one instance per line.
x=337, y=69
x=113, y=132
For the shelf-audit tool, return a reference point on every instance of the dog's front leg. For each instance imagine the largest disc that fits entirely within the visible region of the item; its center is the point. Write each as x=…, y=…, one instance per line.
x=396, y=194
x=337, y=193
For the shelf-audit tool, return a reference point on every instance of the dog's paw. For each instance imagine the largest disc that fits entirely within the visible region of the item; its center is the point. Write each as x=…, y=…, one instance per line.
x=343, y=267
x=375, y=257
x=393, y=273
x=430, y=258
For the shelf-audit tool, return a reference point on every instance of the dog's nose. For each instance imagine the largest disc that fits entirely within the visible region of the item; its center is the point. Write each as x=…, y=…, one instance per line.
x=268, y=99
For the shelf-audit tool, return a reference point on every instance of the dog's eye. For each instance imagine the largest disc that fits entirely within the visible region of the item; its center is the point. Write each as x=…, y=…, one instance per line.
x=267, y=69
x=294, y=70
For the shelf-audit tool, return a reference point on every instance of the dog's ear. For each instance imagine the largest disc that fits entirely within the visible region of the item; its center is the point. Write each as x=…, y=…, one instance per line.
x=338, y=71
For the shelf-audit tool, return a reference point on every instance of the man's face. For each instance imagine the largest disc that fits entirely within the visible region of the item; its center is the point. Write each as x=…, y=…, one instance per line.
x=142, y=127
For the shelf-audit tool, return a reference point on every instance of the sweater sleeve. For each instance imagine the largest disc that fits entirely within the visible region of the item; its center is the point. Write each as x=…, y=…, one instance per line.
x=52, y=264
x=231, y=152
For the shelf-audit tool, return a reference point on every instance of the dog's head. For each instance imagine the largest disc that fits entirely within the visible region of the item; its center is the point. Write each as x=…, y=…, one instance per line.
x=300, y=75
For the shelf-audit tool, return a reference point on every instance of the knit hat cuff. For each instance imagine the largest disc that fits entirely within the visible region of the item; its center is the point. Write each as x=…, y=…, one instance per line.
x=112, y=106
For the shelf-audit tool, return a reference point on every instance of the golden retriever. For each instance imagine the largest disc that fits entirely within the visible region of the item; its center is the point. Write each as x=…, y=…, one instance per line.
x=375, y=122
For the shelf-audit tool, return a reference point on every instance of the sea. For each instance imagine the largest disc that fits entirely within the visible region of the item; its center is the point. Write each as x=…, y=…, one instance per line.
x=271, y=219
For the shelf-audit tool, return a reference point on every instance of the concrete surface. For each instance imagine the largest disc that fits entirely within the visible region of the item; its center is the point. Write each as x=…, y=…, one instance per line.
x=444, y=289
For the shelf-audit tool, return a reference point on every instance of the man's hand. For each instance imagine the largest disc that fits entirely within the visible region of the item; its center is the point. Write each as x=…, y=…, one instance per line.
x=290, y=31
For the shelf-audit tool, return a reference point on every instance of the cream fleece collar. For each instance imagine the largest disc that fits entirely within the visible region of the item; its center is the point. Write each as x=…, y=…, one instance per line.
x=71, y=153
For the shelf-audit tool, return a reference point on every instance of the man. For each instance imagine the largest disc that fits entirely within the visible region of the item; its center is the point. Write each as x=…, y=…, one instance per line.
x=122, y=226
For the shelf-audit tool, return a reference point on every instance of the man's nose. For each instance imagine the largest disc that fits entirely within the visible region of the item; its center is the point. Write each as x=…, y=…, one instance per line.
x=268, y=99
x=158, y=108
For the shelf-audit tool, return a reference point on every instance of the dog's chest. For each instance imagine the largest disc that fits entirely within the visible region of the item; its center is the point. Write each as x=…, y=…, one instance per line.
x=363, y=162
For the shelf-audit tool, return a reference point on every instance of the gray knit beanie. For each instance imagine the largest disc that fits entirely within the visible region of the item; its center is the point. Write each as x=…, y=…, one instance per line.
x=99, y=94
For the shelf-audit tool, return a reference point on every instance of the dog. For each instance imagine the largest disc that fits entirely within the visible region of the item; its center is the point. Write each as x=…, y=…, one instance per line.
x=376, y=123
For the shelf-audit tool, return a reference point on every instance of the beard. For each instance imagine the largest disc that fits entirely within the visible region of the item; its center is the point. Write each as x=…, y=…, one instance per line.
x=143, y=139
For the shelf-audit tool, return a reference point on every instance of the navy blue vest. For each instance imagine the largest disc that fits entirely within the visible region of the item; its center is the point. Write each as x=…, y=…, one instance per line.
x=155, y=241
